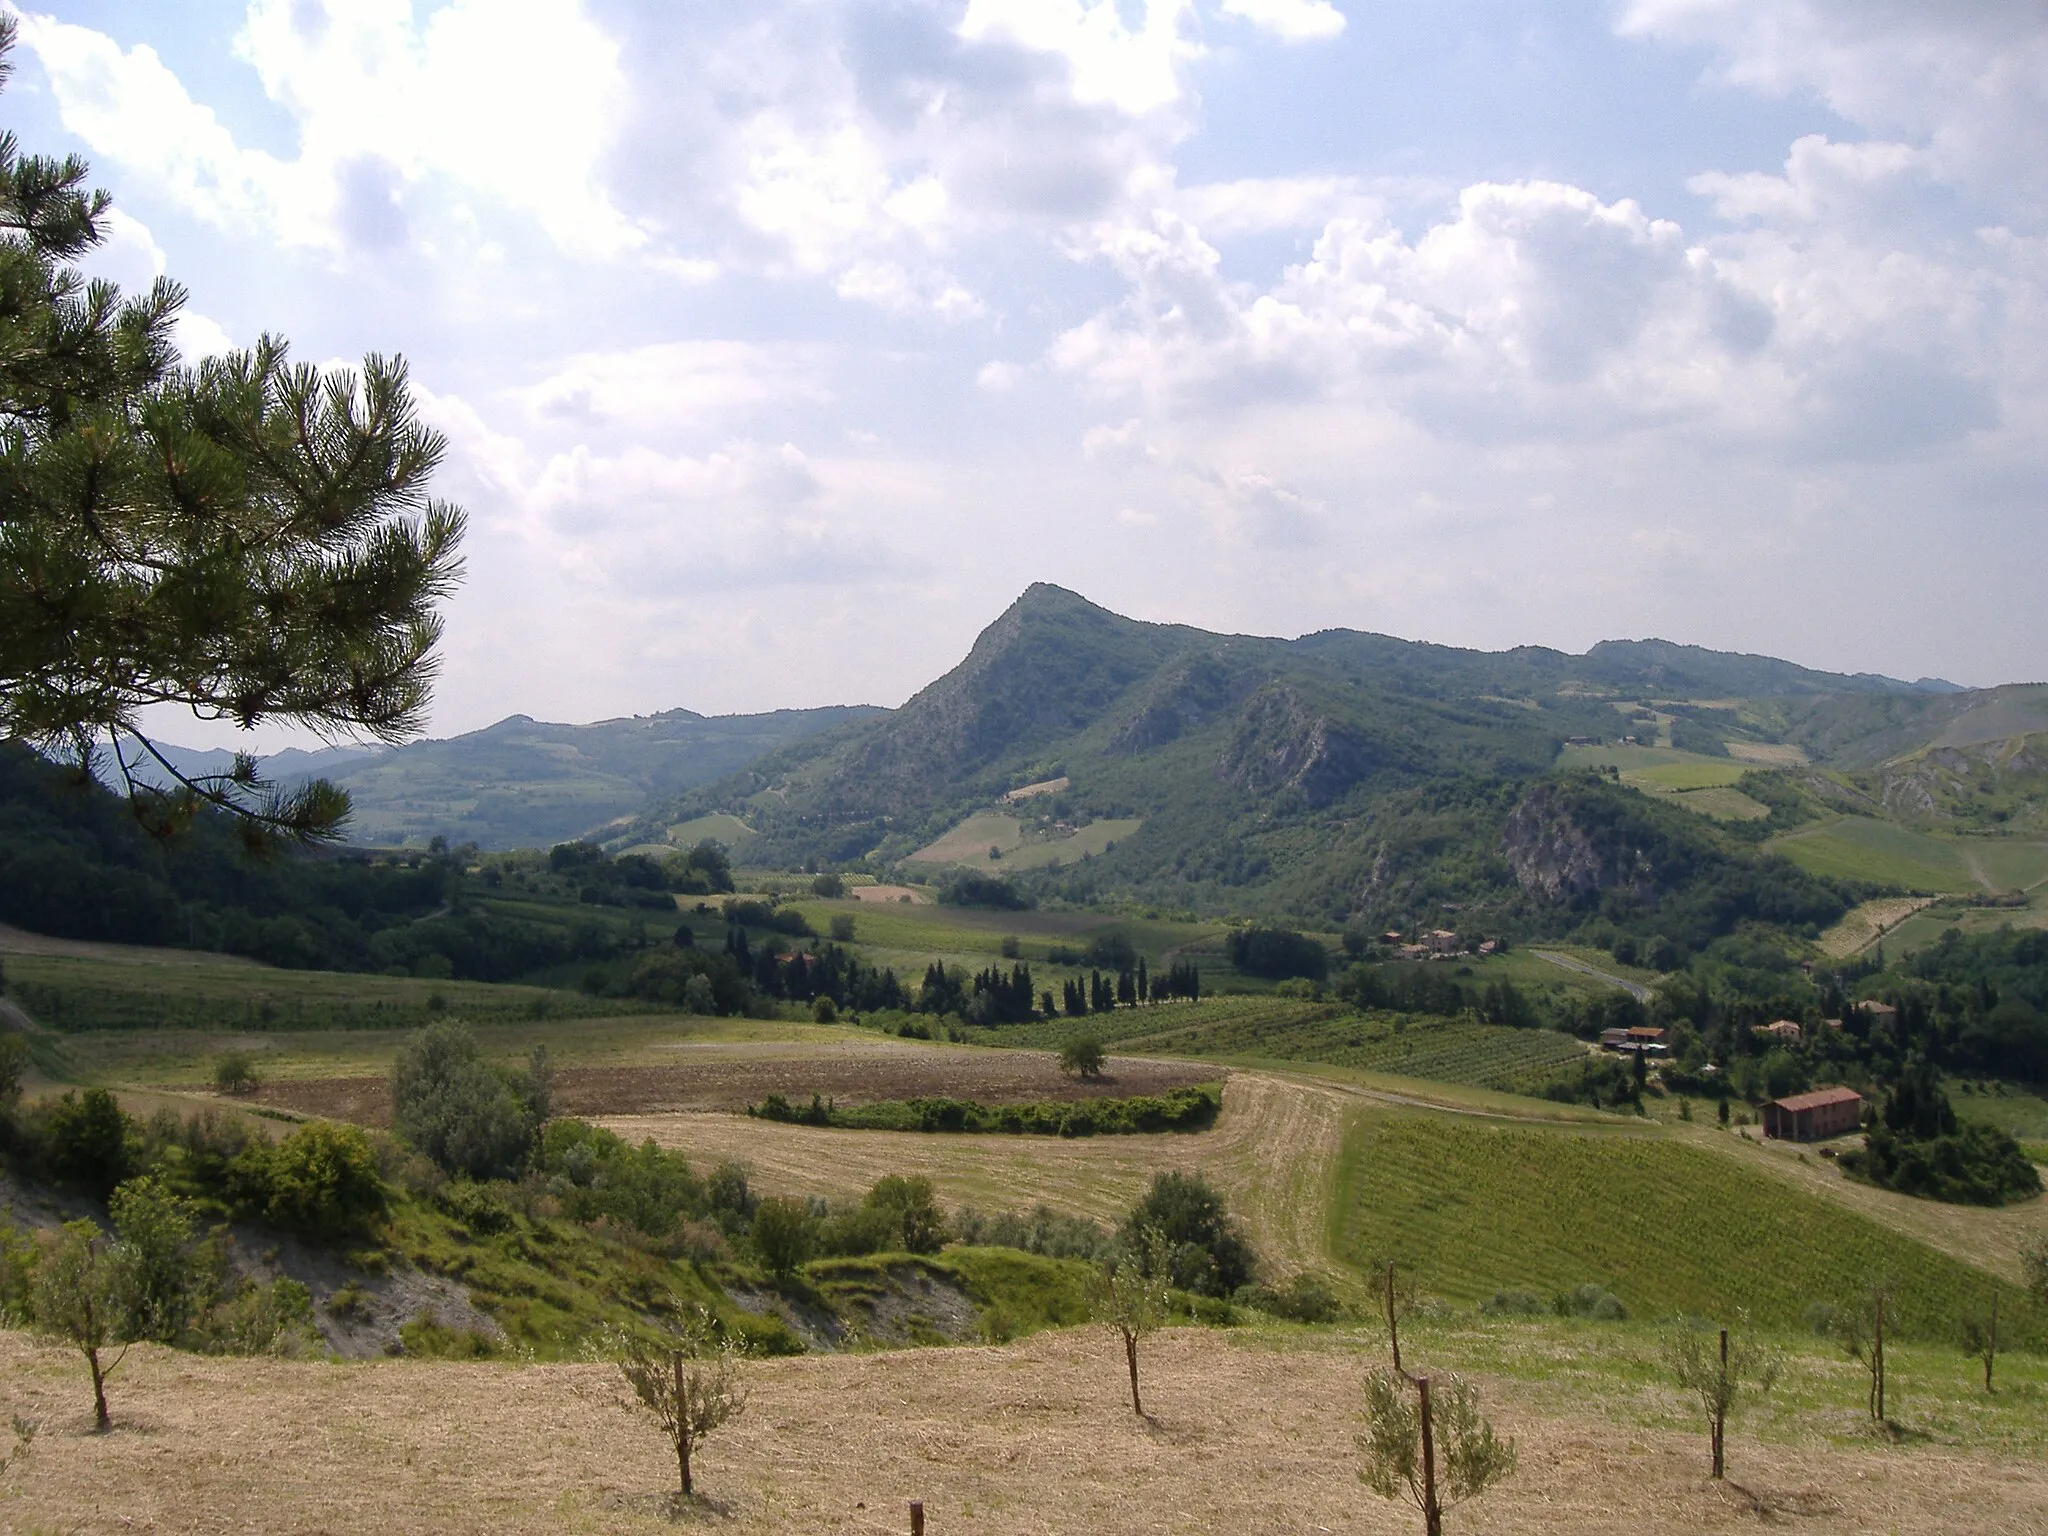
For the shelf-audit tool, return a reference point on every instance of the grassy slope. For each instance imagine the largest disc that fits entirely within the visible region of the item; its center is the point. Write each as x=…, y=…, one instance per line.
x=1861, y=848
x=68, y=994
x=1668, y=1227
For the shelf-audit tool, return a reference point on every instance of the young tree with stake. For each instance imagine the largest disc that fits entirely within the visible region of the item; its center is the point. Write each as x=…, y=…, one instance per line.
x=1980, y=1339
x=85, y=1294
x=1131, y=1299
x=1862, y=1332
x=689, y=1381
x=1433, y=1447
x=1720, y=1375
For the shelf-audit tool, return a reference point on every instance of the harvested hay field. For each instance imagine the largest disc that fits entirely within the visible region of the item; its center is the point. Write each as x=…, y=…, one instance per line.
x=904, y=895
x=1251, y=1433
x=1273, y=1151
x=729, y=1075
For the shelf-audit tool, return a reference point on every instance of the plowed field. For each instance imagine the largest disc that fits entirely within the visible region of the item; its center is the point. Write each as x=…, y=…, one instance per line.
x=729, y=1076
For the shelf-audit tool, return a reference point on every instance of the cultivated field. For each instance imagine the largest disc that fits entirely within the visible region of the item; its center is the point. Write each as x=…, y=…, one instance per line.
x=1863, y=926
x=1860, y=848
x=967, y=845
x=1251, y=1431
x=727, y=1076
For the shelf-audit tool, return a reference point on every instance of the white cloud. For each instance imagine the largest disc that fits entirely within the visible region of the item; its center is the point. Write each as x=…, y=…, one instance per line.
x=669, y=386
x=997, y=377
x=1133, y=69
x=1968, y=79
x=381, y=104
x=1293, y=21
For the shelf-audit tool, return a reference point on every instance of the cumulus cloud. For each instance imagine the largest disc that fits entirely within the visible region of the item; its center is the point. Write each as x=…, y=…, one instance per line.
x=1294, y=21
x=381, y=103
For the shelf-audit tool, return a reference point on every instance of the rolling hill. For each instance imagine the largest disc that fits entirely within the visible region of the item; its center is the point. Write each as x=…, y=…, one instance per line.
x=1340, y=775
x=526, y=782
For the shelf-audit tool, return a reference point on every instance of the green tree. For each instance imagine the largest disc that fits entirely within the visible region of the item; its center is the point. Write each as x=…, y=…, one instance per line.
x=1082, y=1057
x=784, y=1234
x=1205, y=1251
x=320, y=1181
x=84, y=1295
x=450, y=1105
x=1406, y=1443
x=912, y=1207
x=155, y=1226
x=1131, y=1298
x=249, y=539
x=688, y=1379
x=1719, y=1374
x=91, y=1141
x=2034, y=1264
x=13, y=1068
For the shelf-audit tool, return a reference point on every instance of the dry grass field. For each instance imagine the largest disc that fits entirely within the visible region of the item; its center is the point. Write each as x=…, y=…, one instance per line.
x=1273, y=1151
x=1252, y=1432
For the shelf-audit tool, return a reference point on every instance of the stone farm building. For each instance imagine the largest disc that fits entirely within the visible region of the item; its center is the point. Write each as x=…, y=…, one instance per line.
x=1814, y=1116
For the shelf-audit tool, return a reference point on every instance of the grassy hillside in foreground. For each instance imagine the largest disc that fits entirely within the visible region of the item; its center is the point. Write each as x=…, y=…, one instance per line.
x=1252, y=1430
x=1667, y=1227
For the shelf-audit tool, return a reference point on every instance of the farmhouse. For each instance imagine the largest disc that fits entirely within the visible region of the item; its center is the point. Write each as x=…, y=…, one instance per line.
x=1443, y=942
x=1879, y=1013
x=1783, y=1029
x=1642, y=1039
x=1814, y=1116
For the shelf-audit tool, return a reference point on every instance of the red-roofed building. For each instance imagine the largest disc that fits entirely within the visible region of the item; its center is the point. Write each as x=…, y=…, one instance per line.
x=1814, y=1116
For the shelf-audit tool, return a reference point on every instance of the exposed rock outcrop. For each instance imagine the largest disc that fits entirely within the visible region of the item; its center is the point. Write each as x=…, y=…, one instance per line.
x=1283, y=742
x=1551, y=852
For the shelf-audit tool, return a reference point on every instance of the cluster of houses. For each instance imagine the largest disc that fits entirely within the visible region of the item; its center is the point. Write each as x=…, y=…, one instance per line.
x=1815, y=1116
x=1437, y=944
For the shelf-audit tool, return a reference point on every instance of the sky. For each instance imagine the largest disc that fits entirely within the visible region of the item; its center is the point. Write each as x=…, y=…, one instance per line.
x=778, y=346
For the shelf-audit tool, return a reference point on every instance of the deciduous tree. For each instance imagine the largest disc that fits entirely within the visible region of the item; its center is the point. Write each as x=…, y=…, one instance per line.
x=1425, y=1440
x=688, y=1380
x=1131, y=1298
x=1719, y=1368
x=85, y=1295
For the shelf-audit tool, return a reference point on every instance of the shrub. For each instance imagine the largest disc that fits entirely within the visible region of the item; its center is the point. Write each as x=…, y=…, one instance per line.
x=155, y=1226
x=235, y=1072
x=1045, y=1231
x=273, y=1319
x=1592, y=1302
x=1303, y=1299
x=91, y=1144
x=824, y=1011
x=321, y=1181
x=842, y=927
x=1207, y=1254
x=974, y=890
x=829, y=886
x=13, y=1067
x=913, y=1209
x=1513, y=1303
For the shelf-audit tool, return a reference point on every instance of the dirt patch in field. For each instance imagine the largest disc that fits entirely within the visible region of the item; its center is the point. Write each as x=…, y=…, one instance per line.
x=729, y=1077
x=898, y=894
x=1246, y=1434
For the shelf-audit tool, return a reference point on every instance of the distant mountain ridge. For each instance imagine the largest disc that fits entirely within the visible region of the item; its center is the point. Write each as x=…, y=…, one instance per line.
x=1249, y=762
x=525, y=782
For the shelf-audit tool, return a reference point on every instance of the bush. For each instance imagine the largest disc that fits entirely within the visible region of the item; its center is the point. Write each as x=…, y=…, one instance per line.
x=90, y=1144
x=1303, y=1299
x=975, y=890
x=1592, y=1302
x=13, y=1067
x=912, y=1207
x=842, y=927
x=1207, y=1254
x=1513, y=1303
x=321, y=1181
x=829, y=886
x=451, y=1106
x=235, y=1072
x=1045, y=1231
x=273, y=1319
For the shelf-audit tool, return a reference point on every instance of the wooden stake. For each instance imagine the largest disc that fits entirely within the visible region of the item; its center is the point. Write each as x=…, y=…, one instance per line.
x=1432, y=1515
x=917, y=1517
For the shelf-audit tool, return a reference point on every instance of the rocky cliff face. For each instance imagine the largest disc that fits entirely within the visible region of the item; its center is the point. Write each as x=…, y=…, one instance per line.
x=1551, y=852
x=1283, y=742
